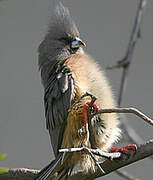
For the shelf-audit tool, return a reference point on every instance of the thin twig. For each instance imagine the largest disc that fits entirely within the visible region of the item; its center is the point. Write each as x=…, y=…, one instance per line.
x=126, y=110
x=126, y=61
x=97, y=152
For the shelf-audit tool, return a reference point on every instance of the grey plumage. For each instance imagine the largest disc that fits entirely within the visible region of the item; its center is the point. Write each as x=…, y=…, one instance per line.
x=61, y=27
x=56, y=78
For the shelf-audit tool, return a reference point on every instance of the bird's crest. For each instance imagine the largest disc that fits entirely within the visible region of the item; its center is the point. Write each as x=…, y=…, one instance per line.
x=61, y=23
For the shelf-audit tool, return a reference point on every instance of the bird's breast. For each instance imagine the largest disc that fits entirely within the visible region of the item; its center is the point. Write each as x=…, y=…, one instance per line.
x=76, y=133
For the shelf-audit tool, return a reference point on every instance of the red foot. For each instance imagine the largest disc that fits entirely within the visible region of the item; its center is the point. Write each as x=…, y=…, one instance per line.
x=124, y=149
x=85, y=108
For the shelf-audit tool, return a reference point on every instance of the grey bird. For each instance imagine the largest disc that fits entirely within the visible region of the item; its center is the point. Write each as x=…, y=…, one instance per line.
x=67, y=73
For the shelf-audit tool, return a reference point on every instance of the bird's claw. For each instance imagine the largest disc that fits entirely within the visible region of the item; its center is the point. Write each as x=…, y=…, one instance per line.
x=93, y=107
x=124, y=149
x=129, y=150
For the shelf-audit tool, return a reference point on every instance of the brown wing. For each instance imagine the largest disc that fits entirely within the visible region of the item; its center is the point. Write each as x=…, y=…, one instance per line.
x=58, y=95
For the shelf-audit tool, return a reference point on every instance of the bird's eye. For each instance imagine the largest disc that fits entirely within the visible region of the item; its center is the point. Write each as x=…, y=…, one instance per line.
x=65, y=40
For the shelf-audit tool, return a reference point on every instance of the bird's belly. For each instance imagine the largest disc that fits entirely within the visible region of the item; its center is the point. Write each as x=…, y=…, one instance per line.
x=76, y=133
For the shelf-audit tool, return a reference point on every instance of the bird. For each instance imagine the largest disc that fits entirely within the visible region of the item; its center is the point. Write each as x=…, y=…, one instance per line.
x=67, y=73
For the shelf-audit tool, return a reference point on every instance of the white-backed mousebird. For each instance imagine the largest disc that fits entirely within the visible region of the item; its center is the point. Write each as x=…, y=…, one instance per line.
x=67, y=73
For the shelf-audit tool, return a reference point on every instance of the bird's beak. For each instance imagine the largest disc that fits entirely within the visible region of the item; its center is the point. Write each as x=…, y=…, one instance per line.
x=76, y=43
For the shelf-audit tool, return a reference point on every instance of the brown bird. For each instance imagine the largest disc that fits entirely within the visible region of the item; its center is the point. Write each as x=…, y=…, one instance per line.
x=67, y=73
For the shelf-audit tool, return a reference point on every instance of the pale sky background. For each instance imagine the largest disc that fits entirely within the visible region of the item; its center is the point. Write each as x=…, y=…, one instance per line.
x=105, y=27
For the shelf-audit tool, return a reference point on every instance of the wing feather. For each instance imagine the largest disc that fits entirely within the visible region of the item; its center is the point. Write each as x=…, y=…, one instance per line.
x=59, y=92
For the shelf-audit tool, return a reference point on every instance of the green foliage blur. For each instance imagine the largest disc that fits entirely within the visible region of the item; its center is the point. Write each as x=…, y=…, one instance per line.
x=3, y=170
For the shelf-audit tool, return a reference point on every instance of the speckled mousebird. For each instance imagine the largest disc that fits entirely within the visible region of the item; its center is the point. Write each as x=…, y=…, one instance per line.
x=67, y=73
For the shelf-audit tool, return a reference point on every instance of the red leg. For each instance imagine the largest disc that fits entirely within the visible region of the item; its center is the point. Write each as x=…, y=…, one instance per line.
x=85, y=108
x=124, y=149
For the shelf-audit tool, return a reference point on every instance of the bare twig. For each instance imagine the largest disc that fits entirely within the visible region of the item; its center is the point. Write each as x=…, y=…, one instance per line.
x=126, y=61
x=126, y=110
x=97, y=152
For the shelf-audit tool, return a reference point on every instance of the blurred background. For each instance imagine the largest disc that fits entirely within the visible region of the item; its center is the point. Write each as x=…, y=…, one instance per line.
x=105, y=26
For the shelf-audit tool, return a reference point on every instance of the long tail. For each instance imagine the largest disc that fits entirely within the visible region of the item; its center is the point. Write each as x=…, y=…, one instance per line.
x=56, y=166
x=49, y=170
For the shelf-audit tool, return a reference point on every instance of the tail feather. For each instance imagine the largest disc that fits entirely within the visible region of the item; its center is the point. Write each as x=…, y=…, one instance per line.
x=57, y=166
x=63, y=174
x=50, y=169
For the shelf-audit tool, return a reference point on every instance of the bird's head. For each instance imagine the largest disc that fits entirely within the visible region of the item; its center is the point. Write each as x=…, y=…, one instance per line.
x=62, y=38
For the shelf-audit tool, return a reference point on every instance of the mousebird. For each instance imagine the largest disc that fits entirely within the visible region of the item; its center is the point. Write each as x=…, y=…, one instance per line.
x=67, y=73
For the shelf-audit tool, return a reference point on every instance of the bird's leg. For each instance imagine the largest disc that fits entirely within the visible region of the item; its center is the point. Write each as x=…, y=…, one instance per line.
x=124, y=149
x=88, y=109
x=92, y=106
x=89, y=106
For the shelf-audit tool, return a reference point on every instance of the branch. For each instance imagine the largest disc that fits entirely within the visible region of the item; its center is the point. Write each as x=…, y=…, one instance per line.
x=126, y=61
x=19, y=174
x=108, y=166
x=143, y=151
